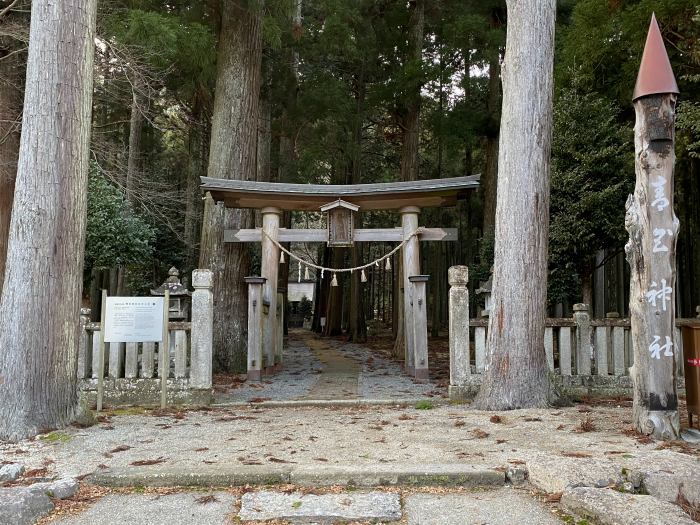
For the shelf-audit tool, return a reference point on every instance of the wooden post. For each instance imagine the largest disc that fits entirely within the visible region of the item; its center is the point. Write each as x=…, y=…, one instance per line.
x=101, y=354
x=411, y=266
x=255, y=307
x=165, y=351
x=419, y=309
x=583, y=339
x=270, y=270
x=279, y=345
x=651, y=249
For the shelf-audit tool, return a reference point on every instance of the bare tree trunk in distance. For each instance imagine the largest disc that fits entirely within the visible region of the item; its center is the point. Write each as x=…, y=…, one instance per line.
x=40, y=302
x=516, y=371
x=11, y=73
x=233, y=156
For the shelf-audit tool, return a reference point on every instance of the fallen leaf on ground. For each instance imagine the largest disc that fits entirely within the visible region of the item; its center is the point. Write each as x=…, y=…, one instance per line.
x=145, y=462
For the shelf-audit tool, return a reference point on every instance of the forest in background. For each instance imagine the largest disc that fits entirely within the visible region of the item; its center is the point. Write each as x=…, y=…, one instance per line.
x=359, y=92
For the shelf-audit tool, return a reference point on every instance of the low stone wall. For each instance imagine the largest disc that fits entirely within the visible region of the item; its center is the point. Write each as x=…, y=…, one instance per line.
x=145, y=392
x=572, y=387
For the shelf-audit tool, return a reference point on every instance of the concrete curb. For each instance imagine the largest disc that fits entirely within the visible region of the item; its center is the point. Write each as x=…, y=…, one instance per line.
x=373, y=475
x=335, y=403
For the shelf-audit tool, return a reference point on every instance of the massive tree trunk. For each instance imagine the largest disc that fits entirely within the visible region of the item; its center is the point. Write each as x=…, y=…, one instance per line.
x=489, y=180
x=11, y=71
x=40, y=302
x=233, y=156
x=195, y=169
x=410, y=123
x=516, y=371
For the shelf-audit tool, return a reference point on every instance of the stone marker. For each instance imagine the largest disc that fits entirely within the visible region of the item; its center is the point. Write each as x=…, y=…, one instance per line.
x=19, y=506
x=609, y=507
x=327, y=508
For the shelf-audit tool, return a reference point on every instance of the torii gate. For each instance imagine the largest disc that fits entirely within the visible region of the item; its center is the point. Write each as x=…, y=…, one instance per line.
x=340, y=202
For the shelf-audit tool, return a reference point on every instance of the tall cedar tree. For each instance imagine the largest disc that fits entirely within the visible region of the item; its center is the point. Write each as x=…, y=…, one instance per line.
x=40, y=300
x=516, y=371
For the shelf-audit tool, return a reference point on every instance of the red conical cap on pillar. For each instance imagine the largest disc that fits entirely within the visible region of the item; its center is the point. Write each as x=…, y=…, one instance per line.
x=655, y=73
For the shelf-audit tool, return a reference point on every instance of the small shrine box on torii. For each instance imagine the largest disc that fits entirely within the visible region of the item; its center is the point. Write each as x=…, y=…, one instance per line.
x=340, y=218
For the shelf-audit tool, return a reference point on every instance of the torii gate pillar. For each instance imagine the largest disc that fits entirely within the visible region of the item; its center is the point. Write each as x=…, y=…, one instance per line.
x=270, y=261
x=411, y=266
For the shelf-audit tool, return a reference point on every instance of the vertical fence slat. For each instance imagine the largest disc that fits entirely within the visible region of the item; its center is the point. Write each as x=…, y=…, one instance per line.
x=480, y=347
x=180, y=353
x=601, y=350
x=116, y=360
x=565, y=351
x=549, y=347
x=131, y=366
x=618, y=347
x=96, y=353
x=147, y=359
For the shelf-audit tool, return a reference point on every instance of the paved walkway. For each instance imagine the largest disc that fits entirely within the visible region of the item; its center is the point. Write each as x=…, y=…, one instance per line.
x=504, y=506
x=318, y=368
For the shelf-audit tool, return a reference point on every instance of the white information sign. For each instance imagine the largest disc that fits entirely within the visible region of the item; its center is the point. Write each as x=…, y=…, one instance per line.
x=134, y=319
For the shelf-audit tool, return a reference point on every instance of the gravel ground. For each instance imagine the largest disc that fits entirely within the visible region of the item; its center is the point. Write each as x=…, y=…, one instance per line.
x=326, y=436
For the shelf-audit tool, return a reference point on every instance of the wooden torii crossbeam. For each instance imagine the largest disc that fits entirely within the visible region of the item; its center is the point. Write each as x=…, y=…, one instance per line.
x=340, y=202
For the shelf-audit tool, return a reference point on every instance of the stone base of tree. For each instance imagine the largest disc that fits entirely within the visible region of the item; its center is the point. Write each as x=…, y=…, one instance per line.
x=145, y=392
x=567, y=386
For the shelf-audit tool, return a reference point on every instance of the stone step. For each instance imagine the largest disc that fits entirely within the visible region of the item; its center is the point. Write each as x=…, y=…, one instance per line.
x=370, y=475
x=321, y=509
x=609, y=507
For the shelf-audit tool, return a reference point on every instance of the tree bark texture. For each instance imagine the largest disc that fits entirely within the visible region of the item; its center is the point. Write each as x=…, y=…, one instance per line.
x=135, y=133
x=651, y=253
x=11, y=85
x=40, y=302
x=410, y=120
x=516, y=371
x=233, y=155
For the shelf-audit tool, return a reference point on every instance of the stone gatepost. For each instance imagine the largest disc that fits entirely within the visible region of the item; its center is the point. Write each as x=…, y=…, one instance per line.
x=460, y=365
x=255, y=327
x=584, y=349
x=420, y=325
x=202, y=329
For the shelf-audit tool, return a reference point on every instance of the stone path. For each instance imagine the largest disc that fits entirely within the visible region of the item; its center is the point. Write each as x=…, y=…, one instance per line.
x=318, y=368
x=504, y=506
x=191, y=508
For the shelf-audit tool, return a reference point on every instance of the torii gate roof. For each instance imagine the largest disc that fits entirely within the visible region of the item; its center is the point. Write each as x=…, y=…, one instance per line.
x=310, y=197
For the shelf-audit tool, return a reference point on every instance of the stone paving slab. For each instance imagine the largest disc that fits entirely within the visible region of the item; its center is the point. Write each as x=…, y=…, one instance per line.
x=318, y=475
x=326, y=508
x=609, y=507
x=505, y=506
x=554, y=473
x=400, y=474
x=20, y=506
x=191, y=508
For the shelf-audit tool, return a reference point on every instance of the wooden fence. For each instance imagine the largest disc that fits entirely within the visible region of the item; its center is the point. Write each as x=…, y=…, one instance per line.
x=573, y=349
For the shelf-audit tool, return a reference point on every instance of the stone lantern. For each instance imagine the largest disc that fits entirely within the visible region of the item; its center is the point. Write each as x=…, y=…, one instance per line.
x=179, y=308
x=485, y=290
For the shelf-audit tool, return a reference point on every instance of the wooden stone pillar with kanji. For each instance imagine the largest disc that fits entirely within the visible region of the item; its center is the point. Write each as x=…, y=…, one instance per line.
x=651, y=249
